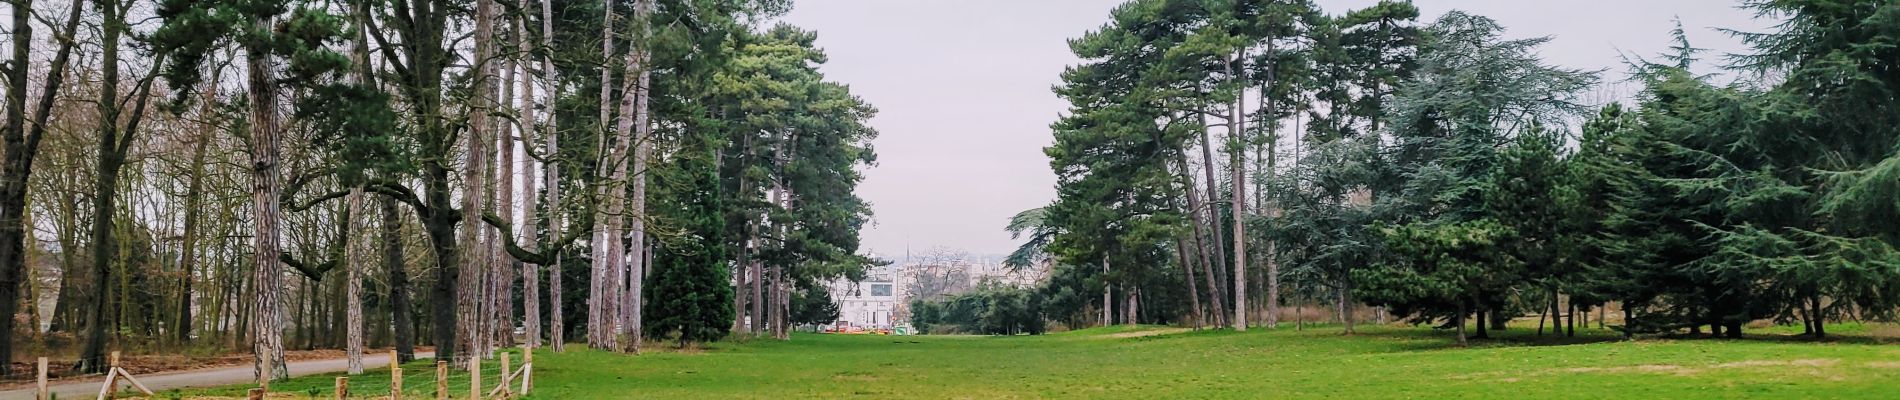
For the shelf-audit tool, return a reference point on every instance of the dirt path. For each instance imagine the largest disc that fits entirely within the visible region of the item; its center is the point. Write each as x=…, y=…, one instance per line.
x=201, y=378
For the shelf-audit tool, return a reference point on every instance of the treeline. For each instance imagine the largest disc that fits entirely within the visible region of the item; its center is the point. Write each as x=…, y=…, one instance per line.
x=990, y=310
x=255, y=176
x=1221, y=158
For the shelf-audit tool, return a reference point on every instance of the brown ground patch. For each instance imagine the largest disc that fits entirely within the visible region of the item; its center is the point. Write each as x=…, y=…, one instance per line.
x=1146, y=333
x=1816, y=362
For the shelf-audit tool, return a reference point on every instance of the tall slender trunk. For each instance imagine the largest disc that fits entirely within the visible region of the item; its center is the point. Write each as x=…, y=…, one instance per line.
x=1272, y=119
x=1201, y=231
x=505, y=265
x=557, y=329
x=1236, y=129
x=357, y=246
x=105, y=195
x=530, y=272
x=474, y=266
x=1218, y=244
x=267, y=276
x=1194, y=294
x=194, y=201
x=21, y=146
x=403, y=324
x=1131, y=303
x=637, y=77
x=600, y=324
x=773, y=313
x=758, y=285
x=1108, y=297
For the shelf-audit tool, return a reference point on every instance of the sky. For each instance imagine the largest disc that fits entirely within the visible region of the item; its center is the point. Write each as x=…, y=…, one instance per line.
x=964, y=104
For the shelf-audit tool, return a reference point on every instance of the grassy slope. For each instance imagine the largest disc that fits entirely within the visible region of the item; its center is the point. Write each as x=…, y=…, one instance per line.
x=1317, y=363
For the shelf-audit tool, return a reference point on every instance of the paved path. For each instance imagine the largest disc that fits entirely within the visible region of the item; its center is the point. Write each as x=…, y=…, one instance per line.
x=201, y=378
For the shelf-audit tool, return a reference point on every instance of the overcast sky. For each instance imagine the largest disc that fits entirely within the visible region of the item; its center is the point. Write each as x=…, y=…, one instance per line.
x=963, y=90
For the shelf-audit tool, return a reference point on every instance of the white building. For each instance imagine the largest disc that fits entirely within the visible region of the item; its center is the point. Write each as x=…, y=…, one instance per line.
x=871, y=304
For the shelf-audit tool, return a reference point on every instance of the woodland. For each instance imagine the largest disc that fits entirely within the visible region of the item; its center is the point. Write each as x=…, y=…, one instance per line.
x=254, y=176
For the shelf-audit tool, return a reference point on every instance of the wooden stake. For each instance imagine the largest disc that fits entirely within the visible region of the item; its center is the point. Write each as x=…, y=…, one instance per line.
x=506, y=375
x=42, y=394
x=256, y=394
x=474, y=377
x=395, y=376
x=342, y=387
x=111, y=389
x=441, y=380
x=527, y=369
x=134, y=381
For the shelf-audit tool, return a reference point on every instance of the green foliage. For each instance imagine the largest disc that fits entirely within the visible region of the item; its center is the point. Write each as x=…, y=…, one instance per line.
x=988, y=310
x=813, y=306
x=689, y=295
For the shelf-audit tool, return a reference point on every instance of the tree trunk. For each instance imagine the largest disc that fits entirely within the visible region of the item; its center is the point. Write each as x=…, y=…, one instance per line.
x=637, y=77
x=1628, y=316
x=111, y=159
x=1131, y=297
x=1272, y=156
x=21, y=146
x=1570, y=319
x=557, y=329
x=1218, y=245
x=505, y=265
x=357, y=247
x=530, y=272
x=1345, y=304
x=1819, y=315
x=1202, y=228
x=1194, y=295
x=194, y=201
x=1236, y=129
x=267, y=276
x=1460, y=320
x=1108, y=298
x=600, y=324
x=474, y=266
x=404, y=327
x=1483, y=333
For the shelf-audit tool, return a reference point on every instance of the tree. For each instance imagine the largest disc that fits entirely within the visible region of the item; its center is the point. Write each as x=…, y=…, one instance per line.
x=690, y=292
x=21, y=138
x=114, y=143
x=1442, y=269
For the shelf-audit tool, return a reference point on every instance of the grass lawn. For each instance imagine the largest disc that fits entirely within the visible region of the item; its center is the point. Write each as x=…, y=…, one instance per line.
x=1154, y=362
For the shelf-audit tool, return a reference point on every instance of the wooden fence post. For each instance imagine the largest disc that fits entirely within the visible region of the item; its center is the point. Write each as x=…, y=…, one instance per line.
x=42, y=394
x=441, y=380
x=507, y=375
x=112, y=375
x=342, y=387
x=475, y=377
x=256, y=394
x=395, y=376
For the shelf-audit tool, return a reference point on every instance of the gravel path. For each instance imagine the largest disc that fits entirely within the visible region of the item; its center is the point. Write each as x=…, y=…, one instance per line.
x=200, y=378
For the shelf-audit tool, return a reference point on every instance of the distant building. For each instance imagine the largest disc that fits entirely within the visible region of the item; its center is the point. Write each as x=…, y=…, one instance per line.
x=882, y=300
x=871, y=304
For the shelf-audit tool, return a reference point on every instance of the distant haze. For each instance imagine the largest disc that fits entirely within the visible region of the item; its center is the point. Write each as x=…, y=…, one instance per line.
x=963, y=90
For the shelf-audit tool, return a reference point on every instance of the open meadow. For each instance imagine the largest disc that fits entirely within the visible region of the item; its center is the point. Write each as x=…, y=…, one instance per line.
x=1159, y=362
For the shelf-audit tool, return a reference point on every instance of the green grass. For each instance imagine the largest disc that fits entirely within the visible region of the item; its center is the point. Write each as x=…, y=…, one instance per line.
x=1152, y=362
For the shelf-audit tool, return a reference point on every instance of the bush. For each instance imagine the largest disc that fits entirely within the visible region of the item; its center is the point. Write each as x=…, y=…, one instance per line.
x=988, y=310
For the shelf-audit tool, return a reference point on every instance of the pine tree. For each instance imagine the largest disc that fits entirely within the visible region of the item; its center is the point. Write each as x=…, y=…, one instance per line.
x=690, y=297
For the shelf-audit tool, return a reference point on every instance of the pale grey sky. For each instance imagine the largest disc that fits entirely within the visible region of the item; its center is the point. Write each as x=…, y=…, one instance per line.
x=962, y=89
